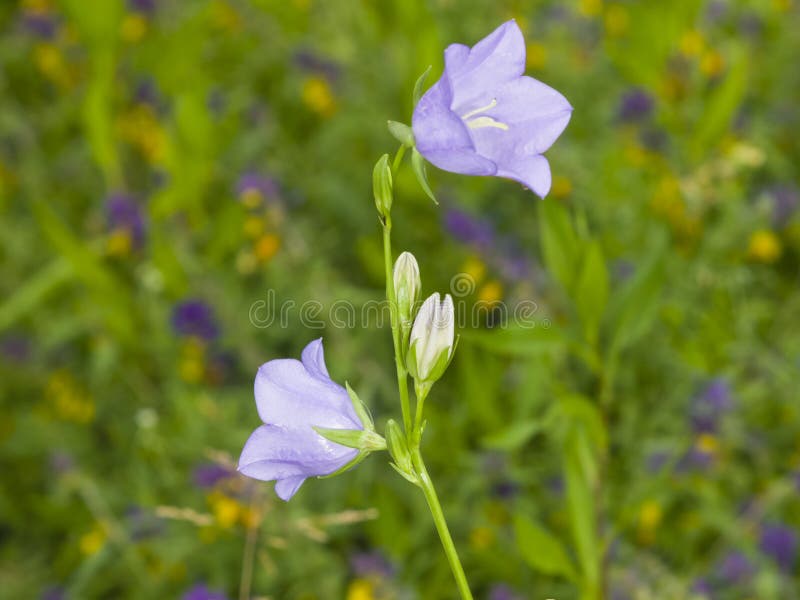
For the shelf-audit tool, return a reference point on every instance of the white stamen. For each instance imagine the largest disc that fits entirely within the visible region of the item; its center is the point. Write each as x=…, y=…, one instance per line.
x=486, y=122
x=472, y=113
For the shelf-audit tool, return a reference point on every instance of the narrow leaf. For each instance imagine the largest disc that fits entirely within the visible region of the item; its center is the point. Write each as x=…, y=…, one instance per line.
x=418, y=164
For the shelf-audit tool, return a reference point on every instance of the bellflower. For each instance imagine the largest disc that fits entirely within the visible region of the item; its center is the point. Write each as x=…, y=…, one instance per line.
x=484, y=117
x=293, y=398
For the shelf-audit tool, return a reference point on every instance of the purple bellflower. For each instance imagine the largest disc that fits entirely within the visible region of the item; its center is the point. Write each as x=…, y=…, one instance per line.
x=293, y=397
x=484, y=117
x=780, y=543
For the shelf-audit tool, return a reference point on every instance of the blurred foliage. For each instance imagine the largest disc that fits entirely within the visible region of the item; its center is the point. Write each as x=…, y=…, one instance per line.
x=172, y=172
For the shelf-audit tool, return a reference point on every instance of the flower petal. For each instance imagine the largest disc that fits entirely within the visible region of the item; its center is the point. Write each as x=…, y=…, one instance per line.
x=286, y=488
x=534, y=113
x=288, y=395
x=531, y=171
x=313, y=360
x=273, y=452
x=495, y=60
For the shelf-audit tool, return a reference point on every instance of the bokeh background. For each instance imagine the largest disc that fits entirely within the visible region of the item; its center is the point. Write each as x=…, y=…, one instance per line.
x=167, y=165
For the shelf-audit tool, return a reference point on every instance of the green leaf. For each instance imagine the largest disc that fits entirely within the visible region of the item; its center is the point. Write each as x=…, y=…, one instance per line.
x=418, y=164
x=514, y=436
x=559, y=245
x=580, y=503
x=518, y=341
x=633, y=309
x=541, y=549
x=591, y=290
x=402, y=133
x=418, y=85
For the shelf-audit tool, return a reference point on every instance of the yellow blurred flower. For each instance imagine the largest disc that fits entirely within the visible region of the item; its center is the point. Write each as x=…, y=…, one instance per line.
x=119, y=243
x=361, y=589
x=267, y=246
x=133, y=27
x=70, y=401
x=246, y=262
x=226, y=510
x=562, y=187
x=712, y=63
x=251, y=198
x=192, y=370
x=481, y=538
x=590, y=8
x=650, y=515
x=93, y=541
x=224, y=16
x=50, y=62
x=37, y=6
x=491, y=292
x=707, y=444
x=475, y=268
x=318, y=96
x=536, y=56
x=616, y=20
x=782, y=5
x=764, y=246
x=692, y=43
x=141, y=128
x=253, y=226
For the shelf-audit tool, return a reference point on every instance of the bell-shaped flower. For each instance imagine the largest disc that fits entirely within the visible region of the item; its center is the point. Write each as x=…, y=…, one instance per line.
x=484, y=117
x=407, y=284
x=295, y=398
x=430, y=345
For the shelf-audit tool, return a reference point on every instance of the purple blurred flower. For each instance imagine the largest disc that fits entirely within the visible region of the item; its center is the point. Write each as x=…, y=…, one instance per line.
x=735, y=568
x=484, y=117
x=124, y=213
x=309, y=61
x=53, y=592
x=709, y=406
x=701, y=586
x=501, y=591
x=15, y=348
x=202, y=592
x=780, y=544
x=254, y=184
x=142, y=6
x=371, y=564
x=784, y=202
x=468, y=229
x=292, y=398
x=635, y=105
x=209, y=474
x=195, y=318
x=40, y=24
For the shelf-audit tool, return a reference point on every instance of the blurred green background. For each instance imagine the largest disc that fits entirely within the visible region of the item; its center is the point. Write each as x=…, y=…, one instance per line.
x=166, y=166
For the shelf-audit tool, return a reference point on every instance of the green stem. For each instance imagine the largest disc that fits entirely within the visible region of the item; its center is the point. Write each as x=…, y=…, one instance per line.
x=402, y=375
x=441, y=525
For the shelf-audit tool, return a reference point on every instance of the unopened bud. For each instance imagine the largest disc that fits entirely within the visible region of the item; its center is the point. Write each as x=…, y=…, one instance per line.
x=407, y=285
x=382, y=186
x=431, y=342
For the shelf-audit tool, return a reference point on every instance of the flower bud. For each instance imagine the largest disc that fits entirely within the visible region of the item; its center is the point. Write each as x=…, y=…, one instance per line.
x=406, y=288
x=431, y=340
x=382, y=186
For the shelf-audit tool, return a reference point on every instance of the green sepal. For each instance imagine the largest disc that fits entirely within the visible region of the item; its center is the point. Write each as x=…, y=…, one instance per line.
x=407, y=476
x=360, y=439
x=359, y=457
x=402, y=133
x=361, y=409
x=418, y=85
x=398, y=449
x=411, y=360
x=418, y=164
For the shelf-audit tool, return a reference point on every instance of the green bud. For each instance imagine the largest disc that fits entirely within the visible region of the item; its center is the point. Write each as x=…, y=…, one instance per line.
x=382, y=186
x=398, y=449
x=407, y=285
